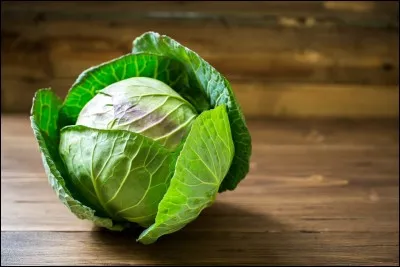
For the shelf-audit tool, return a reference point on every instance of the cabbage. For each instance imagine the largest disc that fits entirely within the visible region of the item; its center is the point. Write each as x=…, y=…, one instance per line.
x=146, y=140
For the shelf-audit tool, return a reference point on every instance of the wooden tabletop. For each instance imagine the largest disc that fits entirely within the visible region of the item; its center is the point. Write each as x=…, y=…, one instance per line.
x=319, y=192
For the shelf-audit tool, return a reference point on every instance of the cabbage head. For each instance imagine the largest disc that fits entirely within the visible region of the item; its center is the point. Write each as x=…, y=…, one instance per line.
x=147, y=140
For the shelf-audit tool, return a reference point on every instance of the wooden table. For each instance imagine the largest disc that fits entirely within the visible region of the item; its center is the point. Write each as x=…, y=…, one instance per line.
x=319, y=192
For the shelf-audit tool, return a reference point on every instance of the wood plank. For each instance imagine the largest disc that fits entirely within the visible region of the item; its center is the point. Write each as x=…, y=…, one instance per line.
x=318, y=192
x=25, y=60
x=17, y=94
x=210, y=248
x=29, y=204
x=256, y=98
x=344, y=55
x=350, y=10
x=308, y=43
x=317, y=100
x=53, y=52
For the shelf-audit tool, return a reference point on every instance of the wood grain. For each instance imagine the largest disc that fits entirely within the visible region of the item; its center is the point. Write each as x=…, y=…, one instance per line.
x=345, y=55
x=257, y=98
x=313, y=44
x=318, y=192
x=351, y=11
x=220, y=248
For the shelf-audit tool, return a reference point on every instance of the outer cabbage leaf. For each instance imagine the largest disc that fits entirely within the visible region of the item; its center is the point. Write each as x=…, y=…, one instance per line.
x=201, y=166
x=206, y=80
x=44, y=115
x=120, y=172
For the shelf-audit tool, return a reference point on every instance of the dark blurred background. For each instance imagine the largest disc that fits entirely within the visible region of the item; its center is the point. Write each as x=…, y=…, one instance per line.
x=285, y=59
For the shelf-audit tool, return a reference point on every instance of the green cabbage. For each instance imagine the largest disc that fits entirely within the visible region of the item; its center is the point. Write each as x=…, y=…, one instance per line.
x=145, y=140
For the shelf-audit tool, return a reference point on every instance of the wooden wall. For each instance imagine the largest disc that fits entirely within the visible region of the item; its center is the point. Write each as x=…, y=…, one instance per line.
x=296, y=59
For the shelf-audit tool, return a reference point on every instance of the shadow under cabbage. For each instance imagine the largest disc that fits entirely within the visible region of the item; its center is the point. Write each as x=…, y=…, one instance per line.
x=222, y=234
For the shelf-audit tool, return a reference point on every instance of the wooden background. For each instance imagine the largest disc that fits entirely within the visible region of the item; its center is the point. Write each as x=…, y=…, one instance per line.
x=285, y=59
x=319, y=191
